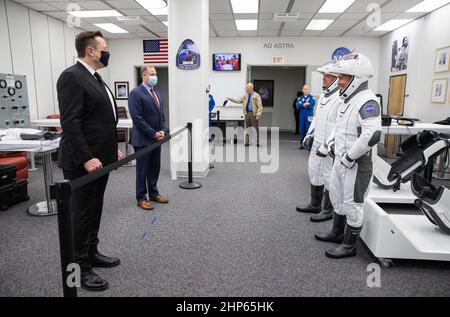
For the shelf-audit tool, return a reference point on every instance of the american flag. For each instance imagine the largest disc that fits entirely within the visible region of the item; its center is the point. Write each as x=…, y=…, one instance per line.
x=156, y=51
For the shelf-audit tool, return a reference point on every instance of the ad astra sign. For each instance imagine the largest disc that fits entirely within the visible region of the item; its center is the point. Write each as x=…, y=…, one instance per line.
x=279, y=45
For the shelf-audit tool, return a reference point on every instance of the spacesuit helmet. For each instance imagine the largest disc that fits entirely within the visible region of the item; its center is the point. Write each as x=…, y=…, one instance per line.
x=325, y=69
x=356, y=65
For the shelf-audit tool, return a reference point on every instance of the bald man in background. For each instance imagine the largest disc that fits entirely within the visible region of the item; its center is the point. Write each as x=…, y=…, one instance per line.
x=253, y=108
x=306, y=105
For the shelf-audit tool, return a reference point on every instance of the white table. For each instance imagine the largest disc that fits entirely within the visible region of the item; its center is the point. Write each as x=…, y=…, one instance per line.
x=44, y=148
x=418, y=127
x=126, y=124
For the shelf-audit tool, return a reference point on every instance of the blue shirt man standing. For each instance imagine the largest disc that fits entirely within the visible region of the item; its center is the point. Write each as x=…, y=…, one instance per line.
x=306, y=105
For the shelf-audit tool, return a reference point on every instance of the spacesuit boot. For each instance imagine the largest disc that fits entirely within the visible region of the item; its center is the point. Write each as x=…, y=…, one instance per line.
x=336, y=235
x=315, y=206
x=327, y=211
x=348, y=247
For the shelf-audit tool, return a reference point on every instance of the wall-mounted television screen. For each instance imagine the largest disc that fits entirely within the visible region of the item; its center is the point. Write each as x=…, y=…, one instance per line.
x=227, y=62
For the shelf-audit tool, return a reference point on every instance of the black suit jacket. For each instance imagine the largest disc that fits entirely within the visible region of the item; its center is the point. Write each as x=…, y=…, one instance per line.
x=87, y=119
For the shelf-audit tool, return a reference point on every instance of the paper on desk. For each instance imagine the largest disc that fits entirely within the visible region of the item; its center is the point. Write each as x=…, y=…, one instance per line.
x=14, y=133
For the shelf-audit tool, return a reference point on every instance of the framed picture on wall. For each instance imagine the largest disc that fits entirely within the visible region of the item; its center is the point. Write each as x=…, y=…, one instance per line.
x=121, y=89
x=441, y=62
x=439, y=90
x=399, y=56
x=265, y=89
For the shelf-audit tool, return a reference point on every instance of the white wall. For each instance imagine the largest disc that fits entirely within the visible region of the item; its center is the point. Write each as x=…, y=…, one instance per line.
x=127, y=53
x=426, y=35
x=306, y=52
x=39, y=47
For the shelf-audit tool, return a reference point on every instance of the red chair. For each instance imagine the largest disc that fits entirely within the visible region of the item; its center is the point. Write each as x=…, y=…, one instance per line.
x=54, y=116
x=19, y=159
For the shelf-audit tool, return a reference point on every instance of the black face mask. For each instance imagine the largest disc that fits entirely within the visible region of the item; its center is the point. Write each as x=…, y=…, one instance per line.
x=104, y=58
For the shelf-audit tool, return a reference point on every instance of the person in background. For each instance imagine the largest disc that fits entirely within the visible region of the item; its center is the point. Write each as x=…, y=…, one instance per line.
x=146, y=109
x=253, y=110
x=306, y=105
x=297, y=112
x=89, y=142
x=211, y=104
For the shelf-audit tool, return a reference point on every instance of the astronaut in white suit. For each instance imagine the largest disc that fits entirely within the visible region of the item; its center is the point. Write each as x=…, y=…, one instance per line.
x=357, y=131
x=319, y=168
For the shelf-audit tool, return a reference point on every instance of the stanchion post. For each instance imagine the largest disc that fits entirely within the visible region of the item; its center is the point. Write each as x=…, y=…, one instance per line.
x=190, y=183
x=65, y=228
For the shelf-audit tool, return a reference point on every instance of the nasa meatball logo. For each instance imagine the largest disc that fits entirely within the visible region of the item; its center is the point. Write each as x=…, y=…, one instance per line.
x=369, y=108
x=188, y=56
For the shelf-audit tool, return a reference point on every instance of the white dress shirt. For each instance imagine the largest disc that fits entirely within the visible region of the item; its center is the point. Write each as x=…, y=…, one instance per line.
x=111, y=98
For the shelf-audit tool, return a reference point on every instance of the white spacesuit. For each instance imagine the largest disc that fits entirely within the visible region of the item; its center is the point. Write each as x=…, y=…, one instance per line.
x=357, y=130
x=319, y=168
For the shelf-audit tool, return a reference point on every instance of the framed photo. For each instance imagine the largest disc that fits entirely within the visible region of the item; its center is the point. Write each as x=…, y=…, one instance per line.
x=399, y=55
x=121, y=89
x=265, y=89
x=439, y=90
x=441, y=62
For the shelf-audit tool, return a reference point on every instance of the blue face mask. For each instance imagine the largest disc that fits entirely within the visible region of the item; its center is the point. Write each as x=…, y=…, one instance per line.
x=153, y=81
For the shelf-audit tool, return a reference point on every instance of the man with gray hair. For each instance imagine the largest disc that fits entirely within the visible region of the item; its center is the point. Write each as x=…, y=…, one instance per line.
x=252, y=110
x=146, y=109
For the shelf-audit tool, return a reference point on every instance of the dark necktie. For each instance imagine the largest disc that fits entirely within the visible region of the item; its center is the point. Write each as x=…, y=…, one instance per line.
x=99, y=78
x=155, y=99
x=248, y=102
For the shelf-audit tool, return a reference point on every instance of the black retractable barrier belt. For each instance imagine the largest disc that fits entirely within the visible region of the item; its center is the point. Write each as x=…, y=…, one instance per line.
x=79, y=182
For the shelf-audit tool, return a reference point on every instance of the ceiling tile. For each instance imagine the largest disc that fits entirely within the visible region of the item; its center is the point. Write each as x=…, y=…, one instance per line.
x=245, y=16
x=221, y=16
x=361, y=5
x=400, y=6
x=308, y=6
x=290, y=32
x=248, y=33
x=311, y=33
x=331, y=16
x=39, y=6
x=227, y=33
x=268, y=25
x=299, y=25
x=267, y=33
x=124, y=4
x=156, y=27
x=266, y=16
x=60, y=5
x=60, y=15
x=224, y=25
x=331, y=33
x=353, y=16
x=271, y=6
x=219, y=6
x=94, y=5
x=342, y=24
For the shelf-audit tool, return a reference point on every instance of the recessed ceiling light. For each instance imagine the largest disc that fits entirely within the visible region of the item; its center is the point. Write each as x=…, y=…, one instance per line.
x=247, y=25
x=110, y=27
x=392, y=24
x=166, y=23
x=335, y=6
x=428, y=5
x=245, y=6
x=95, y=13
x=318, y=24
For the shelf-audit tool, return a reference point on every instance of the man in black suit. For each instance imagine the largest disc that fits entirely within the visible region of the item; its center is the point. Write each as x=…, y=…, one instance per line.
x=88, y=119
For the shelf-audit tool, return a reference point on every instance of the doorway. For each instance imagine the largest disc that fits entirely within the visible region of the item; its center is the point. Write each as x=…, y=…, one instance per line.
x=287, y=80
x=395, y=108
x=162, y=87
